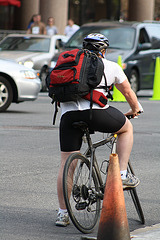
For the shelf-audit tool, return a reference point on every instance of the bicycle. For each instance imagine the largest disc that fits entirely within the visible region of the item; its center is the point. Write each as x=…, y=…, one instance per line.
x=84, y=190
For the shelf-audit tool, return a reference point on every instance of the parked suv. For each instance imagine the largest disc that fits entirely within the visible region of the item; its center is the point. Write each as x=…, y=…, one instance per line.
x=138, y=43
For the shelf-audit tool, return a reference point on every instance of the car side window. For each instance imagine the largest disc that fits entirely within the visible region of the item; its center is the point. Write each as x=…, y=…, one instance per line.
x=154, y=34
x=143, y=37
x=59, y=44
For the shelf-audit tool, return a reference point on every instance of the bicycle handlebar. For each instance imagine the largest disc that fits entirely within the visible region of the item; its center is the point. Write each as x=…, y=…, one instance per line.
x=140, y=111
x=131, y=116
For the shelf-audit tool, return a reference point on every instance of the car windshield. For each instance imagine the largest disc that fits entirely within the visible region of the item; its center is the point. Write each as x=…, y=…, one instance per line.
x=119, y=37
x=28, y=44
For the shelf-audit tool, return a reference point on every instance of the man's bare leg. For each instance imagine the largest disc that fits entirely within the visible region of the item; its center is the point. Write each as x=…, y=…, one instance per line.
x=64, y=156
x=124, y=144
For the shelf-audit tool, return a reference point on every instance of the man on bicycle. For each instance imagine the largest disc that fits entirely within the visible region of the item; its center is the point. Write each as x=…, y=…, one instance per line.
x=107, y=119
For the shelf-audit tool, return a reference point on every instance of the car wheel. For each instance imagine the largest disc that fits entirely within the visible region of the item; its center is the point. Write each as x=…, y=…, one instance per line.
x=6, y=94
x=134, y=80
x=43, y=75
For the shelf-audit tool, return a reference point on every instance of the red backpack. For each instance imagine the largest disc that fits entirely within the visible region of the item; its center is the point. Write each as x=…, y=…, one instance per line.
x=77, y=73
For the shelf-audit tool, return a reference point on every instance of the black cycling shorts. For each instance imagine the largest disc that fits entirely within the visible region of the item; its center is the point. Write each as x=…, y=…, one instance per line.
x=109, y=120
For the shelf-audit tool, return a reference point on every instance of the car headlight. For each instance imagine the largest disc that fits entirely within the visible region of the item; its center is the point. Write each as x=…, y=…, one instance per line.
x=28, y=74
x=28, y=64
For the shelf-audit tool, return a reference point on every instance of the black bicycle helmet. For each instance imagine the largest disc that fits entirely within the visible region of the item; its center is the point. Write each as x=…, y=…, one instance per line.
x=95, y=42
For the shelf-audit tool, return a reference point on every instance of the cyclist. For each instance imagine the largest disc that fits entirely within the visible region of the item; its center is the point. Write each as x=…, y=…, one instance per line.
x=107, y=119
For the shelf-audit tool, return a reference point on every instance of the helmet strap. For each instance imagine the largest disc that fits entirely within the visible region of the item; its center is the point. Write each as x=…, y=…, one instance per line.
x=101, y=54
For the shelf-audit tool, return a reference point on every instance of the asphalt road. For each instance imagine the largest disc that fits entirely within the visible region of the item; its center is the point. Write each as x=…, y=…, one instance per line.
x=29, y=162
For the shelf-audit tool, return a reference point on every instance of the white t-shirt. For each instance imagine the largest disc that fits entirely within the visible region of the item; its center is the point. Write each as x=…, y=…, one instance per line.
x=51, y=30
x=69, y=30
x=114, y=74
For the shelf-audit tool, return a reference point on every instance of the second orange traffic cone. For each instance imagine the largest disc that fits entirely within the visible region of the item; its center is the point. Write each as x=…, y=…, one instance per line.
x=113, y=223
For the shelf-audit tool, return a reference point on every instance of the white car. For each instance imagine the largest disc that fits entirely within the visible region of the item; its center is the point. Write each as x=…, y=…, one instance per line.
x=33, y=51
x=17, y=84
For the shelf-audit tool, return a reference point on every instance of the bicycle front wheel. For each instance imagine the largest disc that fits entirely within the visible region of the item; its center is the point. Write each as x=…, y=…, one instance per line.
x=81, y=200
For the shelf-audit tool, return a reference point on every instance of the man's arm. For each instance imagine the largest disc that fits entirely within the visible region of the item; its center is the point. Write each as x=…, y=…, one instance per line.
x=130, y=96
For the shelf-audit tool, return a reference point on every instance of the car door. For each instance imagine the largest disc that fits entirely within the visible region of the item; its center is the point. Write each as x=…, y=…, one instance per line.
x=145, y=60
x=151, y=33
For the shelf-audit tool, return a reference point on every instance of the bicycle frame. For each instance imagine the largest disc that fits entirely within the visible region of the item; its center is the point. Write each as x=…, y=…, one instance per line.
x=87, y=192
x=91, y=152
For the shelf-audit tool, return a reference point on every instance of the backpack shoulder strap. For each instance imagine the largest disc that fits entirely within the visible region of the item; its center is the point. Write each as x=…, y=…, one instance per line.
x=107, y=88
x=55, y=112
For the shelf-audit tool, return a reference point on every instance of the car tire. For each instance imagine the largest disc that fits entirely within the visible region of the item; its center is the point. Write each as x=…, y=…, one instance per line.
x=43, y=75
x=6, y=94
x=134, y=80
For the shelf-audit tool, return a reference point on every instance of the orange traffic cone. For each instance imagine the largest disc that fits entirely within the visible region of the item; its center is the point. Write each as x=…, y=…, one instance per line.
x=113, y=223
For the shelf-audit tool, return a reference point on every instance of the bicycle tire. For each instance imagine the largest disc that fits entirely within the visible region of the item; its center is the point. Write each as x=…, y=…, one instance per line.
x=135, y=198
x=83, y=217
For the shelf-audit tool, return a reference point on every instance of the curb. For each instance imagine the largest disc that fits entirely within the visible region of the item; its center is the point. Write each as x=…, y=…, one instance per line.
x=146, y=233
x=150, y=232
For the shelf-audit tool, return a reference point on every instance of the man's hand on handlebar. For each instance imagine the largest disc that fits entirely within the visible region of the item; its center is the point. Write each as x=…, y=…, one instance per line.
x=130, y=114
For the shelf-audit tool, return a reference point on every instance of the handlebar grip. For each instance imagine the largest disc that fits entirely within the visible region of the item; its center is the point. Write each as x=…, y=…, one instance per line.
x=131, y=116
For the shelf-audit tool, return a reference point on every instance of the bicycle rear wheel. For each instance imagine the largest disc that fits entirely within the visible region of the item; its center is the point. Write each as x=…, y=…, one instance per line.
x=82, y=203
x=135, y=198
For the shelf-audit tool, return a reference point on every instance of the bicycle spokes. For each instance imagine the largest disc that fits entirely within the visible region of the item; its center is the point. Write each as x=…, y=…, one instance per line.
x=82, y=200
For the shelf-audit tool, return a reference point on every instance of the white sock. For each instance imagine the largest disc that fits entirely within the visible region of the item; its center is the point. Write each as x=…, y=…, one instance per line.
x=63, y=211
x=123, y=174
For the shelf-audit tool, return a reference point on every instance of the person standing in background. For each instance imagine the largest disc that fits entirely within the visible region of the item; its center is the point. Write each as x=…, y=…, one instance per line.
x=51, y=28
x=71, y=28
x=37, y=27
x=31, y=21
